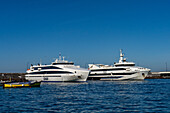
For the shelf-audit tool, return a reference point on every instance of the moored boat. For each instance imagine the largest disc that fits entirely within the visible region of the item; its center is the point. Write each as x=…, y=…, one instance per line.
x=123, y=63
x=58, y=71
x=122, y=70
x=22, y=84
x=105, y=72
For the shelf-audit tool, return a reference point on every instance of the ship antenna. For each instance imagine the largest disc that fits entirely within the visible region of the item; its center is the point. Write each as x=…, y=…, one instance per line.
x=40, y=61
x=59, y=56
x=121, y=56
x=166, y=66
x=27, y=64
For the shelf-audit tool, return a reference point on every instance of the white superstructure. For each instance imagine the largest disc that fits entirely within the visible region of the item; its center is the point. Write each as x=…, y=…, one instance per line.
x=123, y=63
x=120, y=71
x=105, y=72
x=58, y=71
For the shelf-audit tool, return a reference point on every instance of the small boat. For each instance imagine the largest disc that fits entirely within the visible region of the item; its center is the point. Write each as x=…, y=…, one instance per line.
x=22, y=84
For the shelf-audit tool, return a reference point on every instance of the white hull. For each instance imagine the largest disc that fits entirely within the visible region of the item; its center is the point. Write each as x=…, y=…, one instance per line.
x=136, y=76
x=58, y=78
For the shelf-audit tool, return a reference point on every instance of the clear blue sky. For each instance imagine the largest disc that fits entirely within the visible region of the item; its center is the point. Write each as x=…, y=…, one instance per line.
x=85, y=31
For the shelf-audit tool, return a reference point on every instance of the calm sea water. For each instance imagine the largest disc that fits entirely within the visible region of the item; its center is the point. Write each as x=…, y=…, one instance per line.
x=93, y=96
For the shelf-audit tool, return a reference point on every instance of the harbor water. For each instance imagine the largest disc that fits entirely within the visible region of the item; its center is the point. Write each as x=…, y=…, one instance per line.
x=152, y=95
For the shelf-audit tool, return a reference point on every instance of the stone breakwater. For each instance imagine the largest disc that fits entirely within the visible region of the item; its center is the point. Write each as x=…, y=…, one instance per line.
x=12, y=76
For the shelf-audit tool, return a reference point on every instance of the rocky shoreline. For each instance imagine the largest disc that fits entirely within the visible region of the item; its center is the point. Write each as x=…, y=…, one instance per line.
x=12, y=77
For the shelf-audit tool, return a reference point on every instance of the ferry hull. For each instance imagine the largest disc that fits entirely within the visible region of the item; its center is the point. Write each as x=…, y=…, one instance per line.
x=136, y=76
x=58, y=78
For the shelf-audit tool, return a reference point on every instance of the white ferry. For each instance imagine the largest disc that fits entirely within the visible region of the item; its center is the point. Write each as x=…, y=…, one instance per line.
x=120, y=71
x=58, y=71
x=123, y=63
